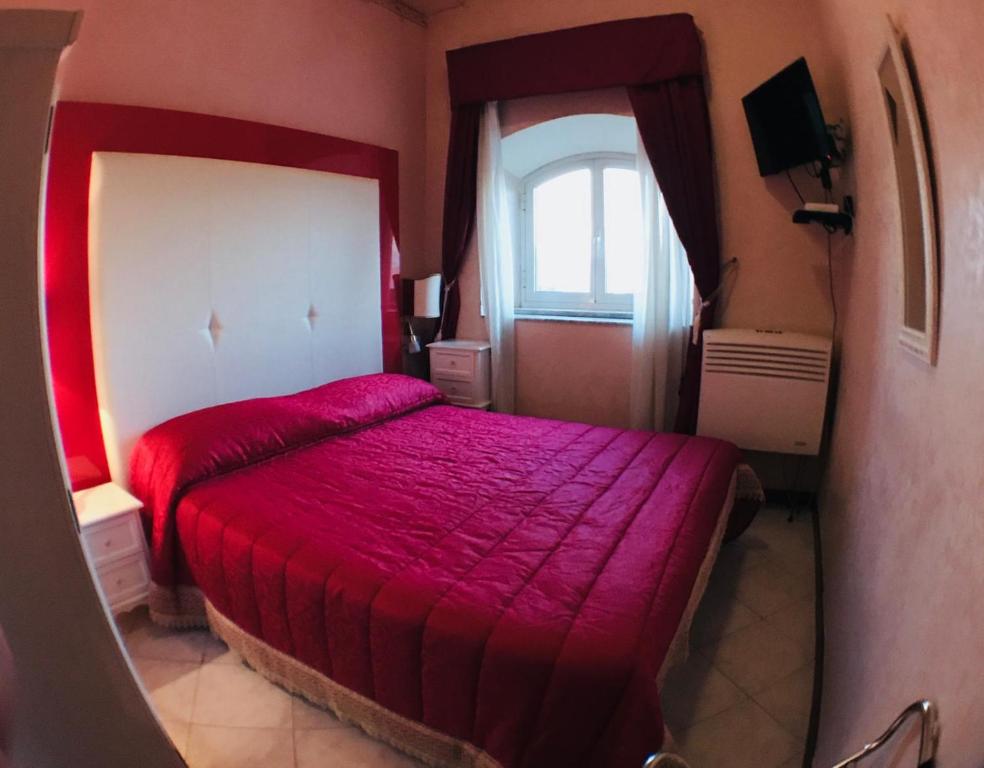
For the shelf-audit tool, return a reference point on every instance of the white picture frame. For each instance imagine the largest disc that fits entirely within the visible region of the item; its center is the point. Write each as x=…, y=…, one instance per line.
x=920, y=257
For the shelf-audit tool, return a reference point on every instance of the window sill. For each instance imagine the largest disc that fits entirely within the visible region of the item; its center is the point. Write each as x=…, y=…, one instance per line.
x=586, y=317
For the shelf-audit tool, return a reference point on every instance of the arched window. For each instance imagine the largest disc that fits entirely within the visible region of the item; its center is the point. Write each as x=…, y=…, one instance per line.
x=581, y=239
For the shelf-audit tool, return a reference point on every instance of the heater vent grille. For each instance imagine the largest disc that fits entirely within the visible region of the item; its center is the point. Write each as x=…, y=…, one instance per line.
x=764, y=390
x=777, y=362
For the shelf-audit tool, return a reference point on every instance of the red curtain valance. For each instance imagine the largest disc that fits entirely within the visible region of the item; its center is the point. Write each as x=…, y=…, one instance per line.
x=615, y=53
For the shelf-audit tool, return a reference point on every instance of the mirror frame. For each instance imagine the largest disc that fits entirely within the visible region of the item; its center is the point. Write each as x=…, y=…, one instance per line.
x=922, y=341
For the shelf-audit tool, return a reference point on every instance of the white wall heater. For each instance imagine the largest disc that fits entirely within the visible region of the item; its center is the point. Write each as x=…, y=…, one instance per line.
x=764, y=390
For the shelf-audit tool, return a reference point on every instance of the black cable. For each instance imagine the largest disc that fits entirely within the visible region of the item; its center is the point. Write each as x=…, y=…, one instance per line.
x=795, y=188
x=830, y=286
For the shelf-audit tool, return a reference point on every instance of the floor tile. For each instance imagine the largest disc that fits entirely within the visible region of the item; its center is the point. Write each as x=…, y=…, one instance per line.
x=743, y=736
x=232, y=695
x=718, y=616
x=774, y=522
x=742, y=554
x=756, y=657
x=789, y=542
x=215, y=651
x=211, y=746
x=146, y=640
x=801, y=579
x=309, y=717
x=177, y=731
x=775, y=517
x=797, y=559
x=796, y=622
x=345, y=747
x=695, y=691
x=788, y=701
x=172, y=686
x=127, y=621
x=767, y=589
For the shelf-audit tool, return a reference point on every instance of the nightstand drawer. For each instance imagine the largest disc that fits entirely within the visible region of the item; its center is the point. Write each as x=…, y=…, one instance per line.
x=447, y=364
x=125, y=579
x=113, y=539
x=458, y=392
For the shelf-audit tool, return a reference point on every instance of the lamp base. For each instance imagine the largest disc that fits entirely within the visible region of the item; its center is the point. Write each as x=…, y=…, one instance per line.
x=413, y=343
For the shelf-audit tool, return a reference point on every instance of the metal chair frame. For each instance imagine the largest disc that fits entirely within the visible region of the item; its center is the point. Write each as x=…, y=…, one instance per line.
x=929, y=738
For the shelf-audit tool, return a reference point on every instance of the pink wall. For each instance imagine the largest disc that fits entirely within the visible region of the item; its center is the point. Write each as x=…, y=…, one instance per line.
x=903, y=525
x=782, y=279
x=573, y=371
x=903, y=512
x=345, y=68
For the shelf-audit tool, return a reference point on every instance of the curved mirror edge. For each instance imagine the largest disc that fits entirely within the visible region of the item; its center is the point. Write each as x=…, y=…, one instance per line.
x=74, y=692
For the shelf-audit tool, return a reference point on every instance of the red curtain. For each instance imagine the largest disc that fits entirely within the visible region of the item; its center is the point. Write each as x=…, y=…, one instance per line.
x=659, y=59
x=460, y=190
x=675, y=129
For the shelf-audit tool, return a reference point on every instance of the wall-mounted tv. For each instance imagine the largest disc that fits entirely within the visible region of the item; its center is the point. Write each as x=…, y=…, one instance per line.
x=786, y=121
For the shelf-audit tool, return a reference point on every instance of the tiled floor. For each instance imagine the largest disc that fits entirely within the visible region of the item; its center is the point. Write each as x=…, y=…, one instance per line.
x=741, y=699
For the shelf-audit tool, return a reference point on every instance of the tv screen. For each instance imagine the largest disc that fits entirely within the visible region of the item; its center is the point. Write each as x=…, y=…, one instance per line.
x=786, y=122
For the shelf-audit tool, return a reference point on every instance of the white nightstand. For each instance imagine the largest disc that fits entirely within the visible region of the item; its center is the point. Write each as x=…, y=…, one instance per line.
x=461, y=370
x=112, y=534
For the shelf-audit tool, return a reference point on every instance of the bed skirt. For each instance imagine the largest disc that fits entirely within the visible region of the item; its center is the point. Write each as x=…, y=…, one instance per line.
x=179, y=607
x=431, y=747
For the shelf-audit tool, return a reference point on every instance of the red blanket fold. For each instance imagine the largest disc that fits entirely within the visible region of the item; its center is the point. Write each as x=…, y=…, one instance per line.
x=190, y=448
x=512, y=582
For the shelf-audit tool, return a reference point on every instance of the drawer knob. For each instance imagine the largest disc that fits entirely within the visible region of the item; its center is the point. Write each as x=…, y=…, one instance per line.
x=119, y=582
x=108, y=543
x=453, y=363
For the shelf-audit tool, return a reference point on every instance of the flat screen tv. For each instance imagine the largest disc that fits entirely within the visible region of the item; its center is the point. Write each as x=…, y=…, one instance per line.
x=786, y=122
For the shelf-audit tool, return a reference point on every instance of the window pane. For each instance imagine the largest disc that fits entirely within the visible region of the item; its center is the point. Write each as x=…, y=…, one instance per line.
x=623, y=229
x=562, y=233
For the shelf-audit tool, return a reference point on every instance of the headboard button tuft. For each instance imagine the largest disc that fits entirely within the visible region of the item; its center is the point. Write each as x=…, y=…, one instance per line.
x=214, y=327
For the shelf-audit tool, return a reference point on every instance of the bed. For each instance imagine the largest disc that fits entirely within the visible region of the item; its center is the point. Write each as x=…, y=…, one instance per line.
x=475, y=588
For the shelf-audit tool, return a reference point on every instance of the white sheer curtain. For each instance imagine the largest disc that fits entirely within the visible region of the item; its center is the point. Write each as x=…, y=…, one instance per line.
x=495, y=259
x=662, y=311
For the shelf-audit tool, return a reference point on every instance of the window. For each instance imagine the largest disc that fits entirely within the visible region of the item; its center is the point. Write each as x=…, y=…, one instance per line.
x=582, y=237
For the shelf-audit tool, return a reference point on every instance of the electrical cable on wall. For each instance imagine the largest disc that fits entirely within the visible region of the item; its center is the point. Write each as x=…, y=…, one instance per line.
x=830, y=231
x=830, y=285
x=795, y=188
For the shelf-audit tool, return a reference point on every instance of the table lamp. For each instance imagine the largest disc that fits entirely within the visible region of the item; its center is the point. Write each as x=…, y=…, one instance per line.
x=426, y=300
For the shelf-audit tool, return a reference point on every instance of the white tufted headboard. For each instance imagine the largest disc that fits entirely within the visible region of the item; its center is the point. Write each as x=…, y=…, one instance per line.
x=212, y=281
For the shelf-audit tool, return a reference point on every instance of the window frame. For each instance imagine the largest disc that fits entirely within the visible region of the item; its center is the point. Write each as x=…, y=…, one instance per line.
x=597, y=303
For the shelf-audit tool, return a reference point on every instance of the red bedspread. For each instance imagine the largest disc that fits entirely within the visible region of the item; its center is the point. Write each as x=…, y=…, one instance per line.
x=513, y=582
